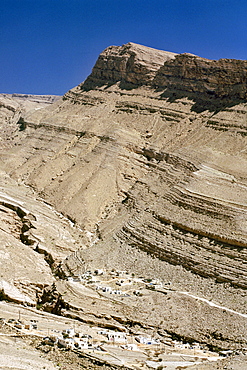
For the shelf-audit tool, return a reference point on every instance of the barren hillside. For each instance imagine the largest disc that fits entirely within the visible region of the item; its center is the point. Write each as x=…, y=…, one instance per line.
x=148, y=159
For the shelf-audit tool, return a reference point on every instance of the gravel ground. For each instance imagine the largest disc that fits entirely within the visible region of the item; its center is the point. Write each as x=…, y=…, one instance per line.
x=18, y=354
x=232, y=363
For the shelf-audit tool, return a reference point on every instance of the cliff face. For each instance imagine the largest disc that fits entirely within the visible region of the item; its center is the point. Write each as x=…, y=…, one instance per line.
x=130, y=64
x=224, y=78
x=148, y=156
x=176, y=75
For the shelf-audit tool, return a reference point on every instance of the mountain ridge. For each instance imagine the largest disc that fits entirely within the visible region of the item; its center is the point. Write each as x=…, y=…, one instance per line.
x=179, y=73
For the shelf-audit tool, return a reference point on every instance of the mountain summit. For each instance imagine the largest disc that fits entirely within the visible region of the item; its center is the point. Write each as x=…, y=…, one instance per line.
x=134, y=65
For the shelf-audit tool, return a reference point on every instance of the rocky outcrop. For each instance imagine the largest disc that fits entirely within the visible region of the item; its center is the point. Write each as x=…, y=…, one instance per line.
x=211, y=79
x=34, y=240
x=130, y=64
x=174, y=75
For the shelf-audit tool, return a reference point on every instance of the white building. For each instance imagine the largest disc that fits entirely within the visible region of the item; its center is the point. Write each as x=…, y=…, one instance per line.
x=147, y=340
x=117, y=337
x=196, y=345
x=181, y=345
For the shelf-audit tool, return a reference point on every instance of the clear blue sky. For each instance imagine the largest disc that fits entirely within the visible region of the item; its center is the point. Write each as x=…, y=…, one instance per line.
x=50, y=46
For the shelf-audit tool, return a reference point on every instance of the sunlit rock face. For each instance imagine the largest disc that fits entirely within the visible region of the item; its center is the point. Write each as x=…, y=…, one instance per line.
x=148, y=155
x=130, y=64
x=189, y=73
x=133, y=65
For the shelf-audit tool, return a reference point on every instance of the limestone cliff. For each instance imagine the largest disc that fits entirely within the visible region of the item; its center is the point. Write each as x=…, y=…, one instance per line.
x=213, y=84
x=130, y=64
x=148, y=156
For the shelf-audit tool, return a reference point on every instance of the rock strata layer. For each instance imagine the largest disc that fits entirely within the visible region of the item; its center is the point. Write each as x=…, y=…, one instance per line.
x=177, y=75
x=219, y=78
x=130, y=64
x=148, y=157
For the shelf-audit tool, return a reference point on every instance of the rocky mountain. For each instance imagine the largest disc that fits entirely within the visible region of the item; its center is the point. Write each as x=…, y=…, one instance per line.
x=148, y=159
